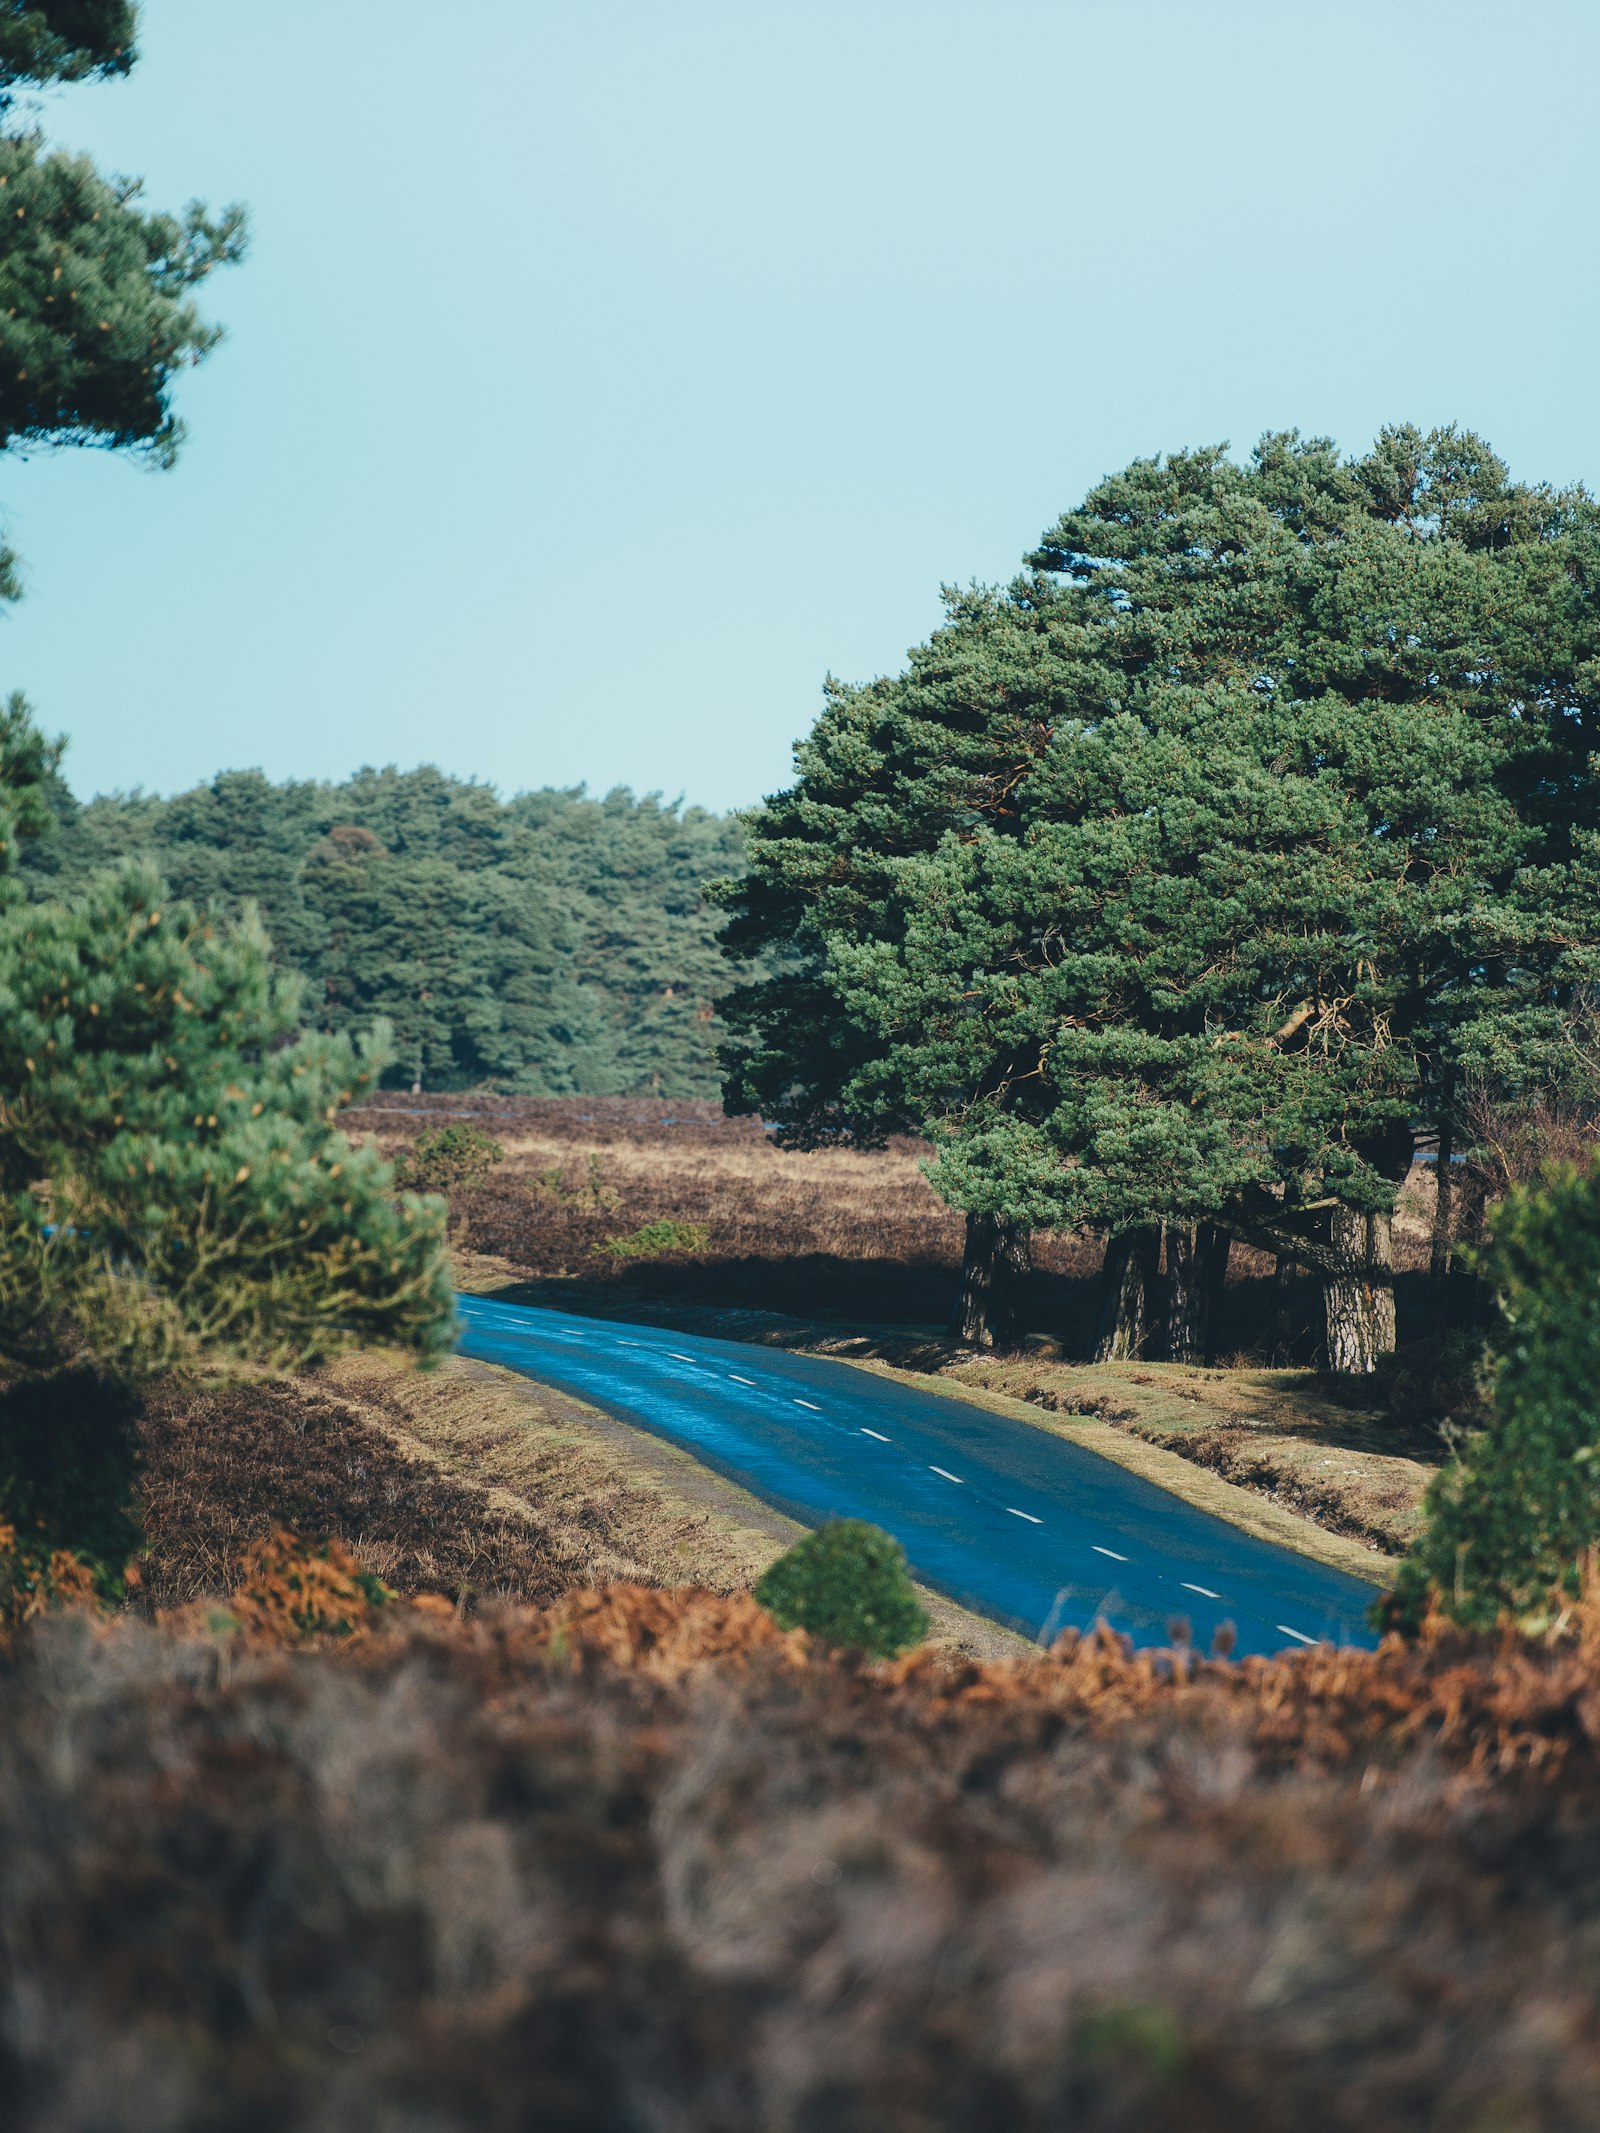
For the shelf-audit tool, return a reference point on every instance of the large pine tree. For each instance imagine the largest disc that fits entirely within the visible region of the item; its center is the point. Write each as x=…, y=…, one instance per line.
x=1286, y=835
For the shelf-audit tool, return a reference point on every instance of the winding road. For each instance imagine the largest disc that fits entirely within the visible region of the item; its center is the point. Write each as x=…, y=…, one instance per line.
x=1000, y=1516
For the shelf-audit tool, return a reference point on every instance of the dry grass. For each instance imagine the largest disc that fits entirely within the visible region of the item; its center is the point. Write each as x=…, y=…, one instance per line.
x=859, y=1236
x=639, y=1861
x=465, y=1480
x=224, y=1464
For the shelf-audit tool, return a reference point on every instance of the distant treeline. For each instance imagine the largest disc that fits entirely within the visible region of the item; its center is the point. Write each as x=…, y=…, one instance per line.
x=555, y=943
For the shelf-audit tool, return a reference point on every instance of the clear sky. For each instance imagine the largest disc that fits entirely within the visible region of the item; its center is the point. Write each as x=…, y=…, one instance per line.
x=605, y=372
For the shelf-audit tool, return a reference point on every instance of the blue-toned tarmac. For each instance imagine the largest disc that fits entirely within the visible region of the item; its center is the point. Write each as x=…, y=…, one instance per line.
x=1000, y=1516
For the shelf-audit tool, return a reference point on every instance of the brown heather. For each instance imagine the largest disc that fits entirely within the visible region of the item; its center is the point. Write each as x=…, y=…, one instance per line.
x=639, y=1860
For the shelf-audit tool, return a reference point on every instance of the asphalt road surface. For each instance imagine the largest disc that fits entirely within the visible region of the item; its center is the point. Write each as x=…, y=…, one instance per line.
x=1004, y=1518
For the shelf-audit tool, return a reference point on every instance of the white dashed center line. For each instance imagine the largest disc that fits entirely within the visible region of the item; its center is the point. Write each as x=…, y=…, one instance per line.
x=1298, y=1635
x=1112, y=1553
x=677, y=1358
x=939, y=1470
x=735, y=1379
x=1028, y=1515
x=1204, y=1591
x=878, y=1433
x=815, y=1409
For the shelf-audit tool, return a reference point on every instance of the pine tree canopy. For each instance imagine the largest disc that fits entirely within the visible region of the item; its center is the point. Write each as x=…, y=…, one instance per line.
x=1210, y=858
x=44, y=41
x=554, y=943
x=95, y=314
x=97, y=317
x=172, y=1176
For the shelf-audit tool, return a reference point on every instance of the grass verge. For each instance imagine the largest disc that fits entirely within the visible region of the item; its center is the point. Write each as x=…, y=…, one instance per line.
x=467, y=1480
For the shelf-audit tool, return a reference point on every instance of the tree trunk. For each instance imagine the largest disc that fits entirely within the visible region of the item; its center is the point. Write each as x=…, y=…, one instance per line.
x=1285, y=1309
x=1197, y=1268
x=1128, y=1290
x=1287, y=1292
x=997, y=1258
x=1358, y=1301
x=1443, y=1227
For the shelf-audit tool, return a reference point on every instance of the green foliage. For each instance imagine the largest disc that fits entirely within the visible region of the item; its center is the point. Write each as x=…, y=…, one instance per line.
x=594, y=1193
x=553, y=943
x=1204, y=863
x=43, y=41
x=1511, y=1520
x=848, y=1584
x=96, y=318
x=655, y=1240
x=68, y=1470
x=95, y=315
x=448, y=1157
x=172, y=1176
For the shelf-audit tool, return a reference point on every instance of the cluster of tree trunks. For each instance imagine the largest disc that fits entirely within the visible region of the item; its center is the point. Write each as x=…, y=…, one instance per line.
x=1148, y=1308
x=1159, y=1292
x=1162, y=1284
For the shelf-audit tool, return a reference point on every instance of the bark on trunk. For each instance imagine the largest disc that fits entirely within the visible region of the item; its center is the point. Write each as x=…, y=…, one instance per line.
x=1197, y=1268
x=1128, y=1289
x=1285, y=1309
x=1443, y=1229
x=1358, y=1301
x=997, y=1258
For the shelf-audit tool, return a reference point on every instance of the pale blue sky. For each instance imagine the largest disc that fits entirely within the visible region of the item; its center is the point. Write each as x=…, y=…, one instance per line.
x=605, y=372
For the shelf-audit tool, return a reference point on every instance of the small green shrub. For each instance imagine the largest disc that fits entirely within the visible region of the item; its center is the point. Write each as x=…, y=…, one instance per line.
x=593, y=1193
x=655, y=1240
x=1436, y=1384
x=847, y=1584
x=447, y=1158
x=1510, y=1521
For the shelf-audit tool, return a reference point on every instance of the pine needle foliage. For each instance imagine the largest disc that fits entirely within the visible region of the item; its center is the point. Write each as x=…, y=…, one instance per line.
x=1208, y=860
x=172, y=1174
x=848, y=1584
x=97, y=318
x=45, y=41
x=1515, y=1518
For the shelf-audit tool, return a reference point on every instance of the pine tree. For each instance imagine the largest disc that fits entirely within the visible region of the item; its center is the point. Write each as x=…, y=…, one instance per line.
x=1267, y=820
x=1515, y=1517
x=172, y=1176
x=96, y=315
x=45, y=41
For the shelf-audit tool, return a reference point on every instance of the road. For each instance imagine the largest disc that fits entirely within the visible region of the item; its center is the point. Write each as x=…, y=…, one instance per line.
x=1002, y=1517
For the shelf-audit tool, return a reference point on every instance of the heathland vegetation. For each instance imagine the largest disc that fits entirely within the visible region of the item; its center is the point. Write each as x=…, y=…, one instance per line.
x=357, y=1765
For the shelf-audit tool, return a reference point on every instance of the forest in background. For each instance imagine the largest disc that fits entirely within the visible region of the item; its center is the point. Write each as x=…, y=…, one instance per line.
x=556, y=943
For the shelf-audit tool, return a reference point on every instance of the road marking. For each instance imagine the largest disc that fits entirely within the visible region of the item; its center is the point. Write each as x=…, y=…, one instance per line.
x=1204, y=1591
x=677, y=1358
x=1028, y=1515
x=735, y=1379
x=1298, y=1635
x=1109, y=1551
x=627, y=1344
x=878, y=1433
x=947, y=1476
x=815, y=1409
